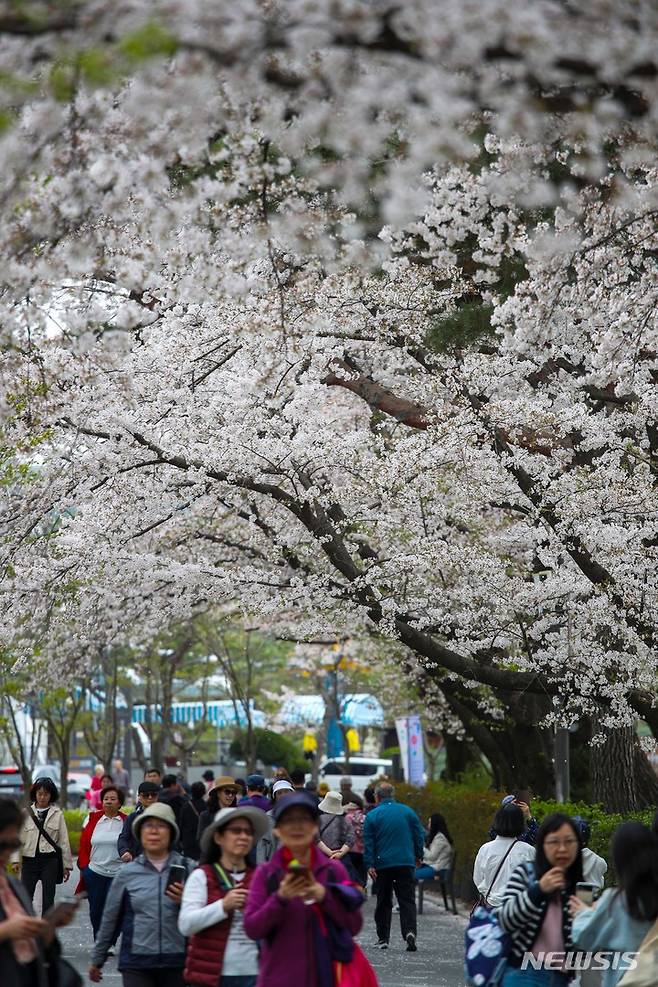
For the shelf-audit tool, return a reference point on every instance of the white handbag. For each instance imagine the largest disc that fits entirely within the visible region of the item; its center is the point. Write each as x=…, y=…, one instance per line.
x=645, y=973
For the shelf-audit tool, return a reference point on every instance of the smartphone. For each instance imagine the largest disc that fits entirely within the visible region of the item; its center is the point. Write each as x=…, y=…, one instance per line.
x=177, y=875
x=585, y=892
x=62, y=910
x=297, y=869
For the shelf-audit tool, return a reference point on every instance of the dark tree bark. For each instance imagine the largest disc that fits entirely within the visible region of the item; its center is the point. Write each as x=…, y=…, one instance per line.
x=613, y=767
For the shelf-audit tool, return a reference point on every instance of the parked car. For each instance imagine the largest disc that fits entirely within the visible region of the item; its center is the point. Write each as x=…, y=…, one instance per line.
x=362, y=770
x=11, y=781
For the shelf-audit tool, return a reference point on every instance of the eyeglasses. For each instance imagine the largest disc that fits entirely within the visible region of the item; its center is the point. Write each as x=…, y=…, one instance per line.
x=568, y=843
x=239, y=830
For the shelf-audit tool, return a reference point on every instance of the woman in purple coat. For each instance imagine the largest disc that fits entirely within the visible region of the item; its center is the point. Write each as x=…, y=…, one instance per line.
x=301, y=905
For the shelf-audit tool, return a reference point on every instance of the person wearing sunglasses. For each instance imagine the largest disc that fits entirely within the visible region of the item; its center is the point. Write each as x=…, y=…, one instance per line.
x=535, y=906
x=218, y=950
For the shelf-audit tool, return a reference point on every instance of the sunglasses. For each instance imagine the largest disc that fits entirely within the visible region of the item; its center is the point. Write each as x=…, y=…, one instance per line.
x=239, y=830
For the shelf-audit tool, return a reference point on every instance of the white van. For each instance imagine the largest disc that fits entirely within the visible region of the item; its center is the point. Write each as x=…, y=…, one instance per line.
x=362, y=770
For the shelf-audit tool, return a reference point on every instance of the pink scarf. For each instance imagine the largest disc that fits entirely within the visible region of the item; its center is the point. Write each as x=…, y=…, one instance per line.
x=25, y=950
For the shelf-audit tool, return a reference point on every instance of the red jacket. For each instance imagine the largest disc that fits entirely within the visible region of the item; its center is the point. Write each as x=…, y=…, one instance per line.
x=205, y=949
x=84, y=853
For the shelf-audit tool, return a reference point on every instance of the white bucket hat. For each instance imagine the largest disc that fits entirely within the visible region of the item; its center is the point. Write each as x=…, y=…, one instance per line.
x=257, y=818
x=332, y=803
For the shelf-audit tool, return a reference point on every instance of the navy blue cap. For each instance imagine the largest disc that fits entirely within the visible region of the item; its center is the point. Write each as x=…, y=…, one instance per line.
x=255, y=781
x=302, y=798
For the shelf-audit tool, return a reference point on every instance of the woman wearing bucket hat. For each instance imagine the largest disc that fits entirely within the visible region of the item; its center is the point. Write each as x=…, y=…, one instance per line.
x=143, y=906
x=302, y=906
x=336, y=835
x=218, y=951
x=223, y=796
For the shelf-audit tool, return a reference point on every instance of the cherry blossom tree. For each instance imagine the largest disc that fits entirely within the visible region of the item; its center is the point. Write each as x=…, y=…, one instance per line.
x=343, y=313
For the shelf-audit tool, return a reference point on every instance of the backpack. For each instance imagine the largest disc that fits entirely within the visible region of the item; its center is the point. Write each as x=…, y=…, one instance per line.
x=487, y=949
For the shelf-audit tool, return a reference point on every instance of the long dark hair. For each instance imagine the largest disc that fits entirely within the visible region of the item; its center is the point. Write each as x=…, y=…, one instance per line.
x=551, y=824
x=635, y=856
x=437, y=825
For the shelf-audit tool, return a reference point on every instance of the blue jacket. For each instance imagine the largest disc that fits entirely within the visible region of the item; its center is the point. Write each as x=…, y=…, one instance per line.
x=137, y=907
x=392, y=836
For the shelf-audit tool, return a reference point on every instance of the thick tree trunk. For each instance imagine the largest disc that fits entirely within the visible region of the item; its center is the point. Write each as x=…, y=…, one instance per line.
x=528, y=749
x=646, y=778
x=460, y=756
x=614, y=771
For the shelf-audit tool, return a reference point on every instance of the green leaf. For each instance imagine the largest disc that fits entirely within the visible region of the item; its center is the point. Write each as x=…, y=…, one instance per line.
x=147, y=41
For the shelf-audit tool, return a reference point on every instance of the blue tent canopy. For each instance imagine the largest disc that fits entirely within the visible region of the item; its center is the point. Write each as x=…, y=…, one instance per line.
x=356, y=710
x=218, y=712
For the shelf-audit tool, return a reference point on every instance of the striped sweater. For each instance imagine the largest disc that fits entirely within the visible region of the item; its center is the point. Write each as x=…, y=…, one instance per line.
x=523, y=910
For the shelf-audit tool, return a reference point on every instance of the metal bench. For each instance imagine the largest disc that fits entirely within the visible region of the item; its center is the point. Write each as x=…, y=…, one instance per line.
x=446, y=887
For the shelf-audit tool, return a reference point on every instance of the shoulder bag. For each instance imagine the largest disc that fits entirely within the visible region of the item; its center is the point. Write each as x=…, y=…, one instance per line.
x=41, y=824
x=483, y=900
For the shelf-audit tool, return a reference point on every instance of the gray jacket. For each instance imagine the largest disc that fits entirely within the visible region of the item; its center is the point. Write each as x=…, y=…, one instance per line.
x=334, y=831
x=138, y=908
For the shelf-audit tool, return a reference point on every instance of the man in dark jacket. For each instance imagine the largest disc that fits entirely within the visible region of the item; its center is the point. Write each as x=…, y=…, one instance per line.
x=393, y=839
x=127, y=844
x=189, y=820
x=256, y=793
x=173, y=795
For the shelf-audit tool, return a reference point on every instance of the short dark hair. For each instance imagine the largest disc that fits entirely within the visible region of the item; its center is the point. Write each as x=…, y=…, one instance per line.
x=10, y=814
x=197, y=789
x=168, y=781
x=509, y=821
x=148, y=788
x=47, y=785
x=153, y=771
x=297, y=776
x=113, y=788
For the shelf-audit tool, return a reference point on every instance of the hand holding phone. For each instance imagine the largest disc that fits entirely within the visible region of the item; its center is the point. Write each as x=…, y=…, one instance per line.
x=62, y=913
x=177, y=875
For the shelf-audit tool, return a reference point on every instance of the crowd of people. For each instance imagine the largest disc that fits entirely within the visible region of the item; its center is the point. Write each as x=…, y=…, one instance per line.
x=232, y=883
x=223, y=883
x=544, y=886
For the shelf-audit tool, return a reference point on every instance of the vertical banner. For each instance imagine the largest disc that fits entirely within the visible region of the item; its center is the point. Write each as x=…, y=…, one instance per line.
x=402, y=728
x=415, y=746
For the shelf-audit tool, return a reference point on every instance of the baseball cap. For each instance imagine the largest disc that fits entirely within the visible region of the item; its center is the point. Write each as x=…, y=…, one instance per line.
x=255, y=781
x=299, y=798
x=148, y=788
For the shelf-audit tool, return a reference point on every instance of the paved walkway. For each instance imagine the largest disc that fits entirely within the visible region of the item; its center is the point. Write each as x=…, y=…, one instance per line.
x=438, y=962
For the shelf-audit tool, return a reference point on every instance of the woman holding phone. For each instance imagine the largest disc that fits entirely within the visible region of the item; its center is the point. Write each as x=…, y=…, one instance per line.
x=302, y=906
x=27, y=944
x=535, y=904
x=623, y=916
x=143, y=905
x=218, y=951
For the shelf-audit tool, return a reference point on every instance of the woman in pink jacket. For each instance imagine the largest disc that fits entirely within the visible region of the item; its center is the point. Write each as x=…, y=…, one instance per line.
x=301, y=905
